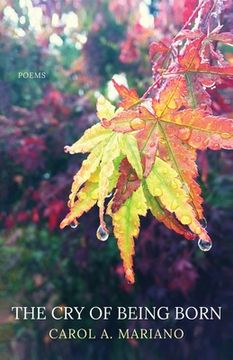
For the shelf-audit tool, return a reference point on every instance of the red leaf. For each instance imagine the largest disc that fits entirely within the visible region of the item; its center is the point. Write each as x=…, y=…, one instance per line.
x=157, y=48
x=225, y=37
x=148, y=148
x=189, y=7
x=129, y=96
x=130, y=120
x=191, y=58
x=127, y=183
x=189, y=34
x=218, y=70
x=129, y=51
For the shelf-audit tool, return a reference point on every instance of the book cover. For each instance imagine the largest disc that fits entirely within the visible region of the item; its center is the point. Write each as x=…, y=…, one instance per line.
x=116, y=179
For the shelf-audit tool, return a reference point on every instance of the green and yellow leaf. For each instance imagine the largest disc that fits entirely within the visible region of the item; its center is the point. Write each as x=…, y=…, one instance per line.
x=163, y=182
x=105, y=110
x=112, y=152
x=90, y=139
x=165, y=216
x=126, y=224
x=129, y=148
x=87, y=198
x=88, y=167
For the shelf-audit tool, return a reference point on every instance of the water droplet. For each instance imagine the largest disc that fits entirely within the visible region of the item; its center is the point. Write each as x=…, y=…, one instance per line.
x=74, y=224
x=197, y=139
x=109, y=195
x=209, y=83
x=95, y=194
x=82, y=195
x=163, y=171
x=226, y=136
x=66, y=148
x=197, y=230
x=215, y=146
x=137, y=124
x=174, y=205
x=204, y=245
x=184, y=134
x=102, y=234
x=203, y=223
x=174, y=184
x=46, y=176
x=186, y=220
x=158, y=192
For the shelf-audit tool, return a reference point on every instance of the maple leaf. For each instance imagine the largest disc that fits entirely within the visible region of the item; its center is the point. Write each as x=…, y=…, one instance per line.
x=88, y=167
x=112, y=152
x=126, y=225
x=129, y=96
x=157, y=48
x=85, y=202
x=165, y=184
x=192, y=62
x=127, y=183
x=189, y=5
x=89, y=140
x=144, y=153
x=165, y=216
x=224, y=37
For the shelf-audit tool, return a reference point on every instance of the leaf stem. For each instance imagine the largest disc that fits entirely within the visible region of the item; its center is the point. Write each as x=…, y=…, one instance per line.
x=191, y=91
